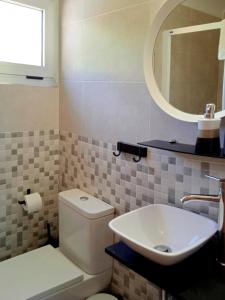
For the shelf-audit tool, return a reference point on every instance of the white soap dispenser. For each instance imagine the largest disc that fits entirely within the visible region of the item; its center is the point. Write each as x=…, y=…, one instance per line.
x=208, y=140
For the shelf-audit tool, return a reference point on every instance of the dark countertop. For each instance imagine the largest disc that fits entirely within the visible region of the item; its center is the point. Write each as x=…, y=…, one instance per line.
x=198, y=277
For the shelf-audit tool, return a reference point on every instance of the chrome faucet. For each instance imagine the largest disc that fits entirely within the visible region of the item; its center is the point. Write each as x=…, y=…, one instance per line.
x=221, y=200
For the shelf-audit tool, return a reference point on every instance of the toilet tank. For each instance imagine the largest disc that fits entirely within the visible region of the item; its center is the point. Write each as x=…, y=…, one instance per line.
x=83, y=230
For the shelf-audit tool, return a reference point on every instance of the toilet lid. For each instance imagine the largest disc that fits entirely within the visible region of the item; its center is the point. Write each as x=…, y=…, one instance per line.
x=37, y=274
x=86, y=204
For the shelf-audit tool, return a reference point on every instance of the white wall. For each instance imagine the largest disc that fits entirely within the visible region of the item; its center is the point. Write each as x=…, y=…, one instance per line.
x=103, y=90
x=28, y=108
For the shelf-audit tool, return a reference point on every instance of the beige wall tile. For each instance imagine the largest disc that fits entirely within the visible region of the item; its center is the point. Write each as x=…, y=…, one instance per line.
x=104, y=95
x=166, y=128
x=71, y=116
x=101, y=6
x=25, y=108
x=77, y=10
x=109, y=47
x=107, y=111
x=72, y=64
x=114, y=44
x=71, y=10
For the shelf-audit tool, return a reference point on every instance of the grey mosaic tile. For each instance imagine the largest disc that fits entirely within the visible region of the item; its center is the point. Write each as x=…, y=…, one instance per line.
x=131, y=286
x=26, y=167
x=163, y=177
x=172, y=160
x=179, y=177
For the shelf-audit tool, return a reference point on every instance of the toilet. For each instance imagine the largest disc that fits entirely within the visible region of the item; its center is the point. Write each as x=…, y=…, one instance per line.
x=78, y=269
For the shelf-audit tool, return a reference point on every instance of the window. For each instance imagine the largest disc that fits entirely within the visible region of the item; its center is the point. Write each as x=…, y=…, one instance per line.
x=28, y=49
x=23, y=31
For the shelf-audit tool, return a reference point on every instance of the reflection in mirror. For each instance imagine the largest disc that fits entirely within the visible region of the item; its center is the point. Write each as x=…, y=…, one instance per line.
x=189, y=56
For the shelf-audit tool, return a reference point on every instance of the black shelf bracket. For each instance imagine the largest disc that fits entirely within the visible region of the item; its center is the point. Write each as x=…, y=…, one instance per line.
x=131, y=149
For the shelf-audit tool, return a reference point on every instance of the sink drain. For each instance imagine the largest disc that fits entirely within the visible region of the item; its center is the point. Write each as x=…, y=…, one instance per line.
x=163, y=248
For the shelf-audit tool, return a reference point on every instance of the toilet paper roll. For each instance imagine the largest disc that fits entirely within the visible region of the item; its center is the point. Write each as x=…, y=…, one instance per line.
x=33, y=203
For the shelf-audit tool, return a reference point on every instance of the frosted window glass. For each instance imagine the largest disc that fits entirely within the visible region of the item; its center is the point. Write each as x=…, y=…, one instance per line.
x=21, y=34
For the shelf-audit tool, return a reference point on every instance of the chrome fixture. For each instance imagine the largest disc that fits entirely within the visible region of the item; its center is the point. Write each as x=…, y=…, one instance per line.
x=210, y=111
x=219, y=199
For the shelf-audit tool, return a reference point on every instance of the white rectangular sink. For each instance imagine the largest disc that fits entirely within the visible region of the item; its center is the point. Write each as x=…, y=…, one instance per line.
x=155, y=229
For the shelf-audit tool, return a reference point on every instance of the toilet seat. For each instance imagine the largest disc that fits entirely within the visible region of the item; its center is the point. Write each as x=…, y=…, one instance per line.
x=37, y=274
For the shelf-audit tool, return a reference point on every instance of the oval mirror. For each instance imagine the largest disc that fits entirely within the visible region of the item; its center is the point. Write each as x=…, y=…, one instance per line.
x=184, y=58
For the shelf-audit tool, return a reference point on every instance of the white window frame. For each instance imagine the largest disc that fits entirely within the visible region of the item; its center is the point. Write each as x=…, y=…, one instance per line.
x=47, y=75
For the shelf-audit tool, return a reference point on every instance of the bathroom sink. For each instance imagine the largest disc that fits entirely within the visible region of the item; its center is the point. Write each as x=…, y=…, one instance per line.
x=162, y=233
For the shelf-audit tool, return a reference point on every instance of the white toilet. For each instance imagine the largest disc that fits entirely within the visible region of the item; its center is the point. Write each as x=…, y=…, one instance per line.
x=76, y=270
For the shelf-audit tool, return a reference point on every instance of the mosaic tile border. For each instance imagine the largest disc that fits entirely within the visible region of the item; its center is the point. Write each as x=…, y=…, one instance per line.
x=28, y=160
x=164, y=177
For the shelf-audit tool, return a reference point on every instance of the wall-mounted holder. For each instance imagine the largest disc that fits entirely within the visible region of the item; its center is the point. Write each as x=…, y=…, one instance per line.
x=22, y=202
x=131, y=149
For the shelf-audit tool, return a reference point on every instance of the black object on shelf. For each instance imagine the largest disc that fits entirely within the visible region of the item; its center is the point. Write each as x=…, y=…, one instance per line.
x=131, y=149
x=178, y=147
x=208, y=146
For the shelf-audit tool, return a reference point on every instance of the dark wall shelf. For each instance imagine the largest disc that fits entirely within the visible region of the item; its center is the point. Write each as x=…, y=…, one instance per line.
x=177, y=147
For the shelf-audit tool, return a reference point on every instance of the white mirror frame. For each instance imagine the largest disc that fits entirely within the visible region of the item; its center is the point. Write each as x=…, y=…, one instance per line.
x=154, y=29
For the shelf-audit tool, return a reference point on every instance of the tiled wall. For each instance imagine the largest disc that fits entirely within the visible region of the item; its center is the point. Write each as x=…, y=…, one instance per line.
x=164, y=177
x=131, y=286
x=28, y=160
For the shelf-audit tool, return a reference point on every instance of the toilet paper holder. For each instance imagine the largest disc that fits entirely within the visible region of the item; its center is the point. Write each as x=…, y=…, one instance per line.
x=22, y=202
